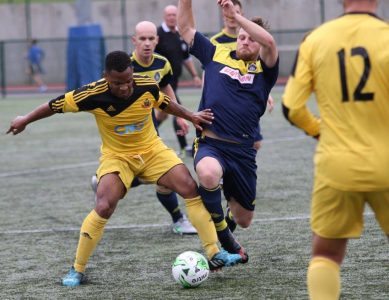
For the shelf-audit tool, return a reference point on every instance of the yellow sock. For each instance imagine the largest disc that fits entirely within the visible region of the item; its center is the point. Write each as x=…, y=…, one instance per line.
x=202, y=221
x=90, y=234
x=221, y=225
x=323, y=279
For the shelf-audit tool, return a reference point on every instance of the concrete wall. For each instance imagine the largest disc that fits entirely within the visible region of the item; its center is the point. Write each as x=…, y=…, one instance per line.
x=49, y=23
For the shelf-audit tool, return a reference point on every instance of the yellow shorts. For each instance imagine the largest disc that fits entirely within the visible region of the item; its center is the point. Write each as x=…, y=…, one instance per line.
x=339, y=214
x=148, y=166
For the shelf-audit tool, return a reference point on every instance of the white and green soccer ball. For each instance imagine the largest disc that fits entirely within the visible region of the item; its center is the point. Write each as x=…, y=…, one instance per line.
x=190, y=269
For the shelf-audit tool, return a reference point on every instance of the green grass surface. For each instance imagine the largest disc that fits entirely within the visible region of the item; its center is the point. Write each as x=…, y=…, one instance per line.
x=45, y=195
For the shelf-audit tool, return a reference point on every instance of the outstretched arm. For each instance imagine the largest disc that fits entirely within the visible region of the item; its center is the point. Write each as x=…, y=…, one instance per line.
x=20, y=122
x=162, y=115
x=185, y=21
x=268, y=51
x=202, y=117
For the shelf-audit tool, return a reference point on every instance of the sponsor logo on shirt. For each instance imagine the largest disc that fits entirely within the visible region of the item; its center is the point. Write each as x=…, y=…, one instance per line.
x=252, y=67
x=129, y=128
x=157, y=77
x=111, y=108
x=235, y=74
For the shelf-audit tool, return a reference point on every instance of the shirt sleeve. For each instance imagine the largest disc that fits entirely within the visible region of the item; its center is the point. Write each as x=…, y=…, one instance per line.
x=64, y=103
x=202, y=49
x=167, y=78
x=271, y=74
x=162, y=102
x=298, y=91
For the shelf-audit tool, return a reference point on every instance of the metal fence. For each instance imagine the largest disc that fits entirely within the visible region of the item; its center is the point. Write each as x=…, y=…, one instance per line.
x=289, y=19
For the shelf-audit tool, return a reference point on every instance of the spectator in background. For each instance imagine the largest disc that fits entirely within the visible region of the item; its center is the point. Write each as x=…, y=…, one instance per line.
x=35, y=56
x=172, y=47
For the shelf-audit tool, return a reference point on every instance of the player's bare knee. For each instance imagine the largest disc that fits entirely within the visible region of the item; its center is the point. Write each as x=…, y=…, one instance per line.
x=243, y=222
x=104, y=208
x=208, y=178
x=189, y=188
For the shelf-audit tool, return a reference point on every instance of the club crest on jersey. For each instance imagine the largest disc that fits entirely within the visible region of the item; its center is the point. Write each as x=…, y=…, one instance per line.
x=157, y=76
x=146, y=103
x=252, y=67
x=235, y=74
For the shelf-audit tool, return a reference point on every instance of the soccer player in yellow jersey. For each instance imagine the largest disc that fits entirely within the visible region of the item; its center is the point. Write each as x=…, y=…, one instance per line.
x=345, y=62
x=146, y=62
x=228, y=35
x=156, y=66
x=121, y=103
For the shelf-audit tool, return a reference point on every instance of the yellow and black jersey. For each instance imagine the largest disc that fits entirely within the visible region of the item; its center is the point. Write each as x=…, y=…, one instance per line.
x=346, y=63
x=225, y=39
x=125, y=126
x=159, y=69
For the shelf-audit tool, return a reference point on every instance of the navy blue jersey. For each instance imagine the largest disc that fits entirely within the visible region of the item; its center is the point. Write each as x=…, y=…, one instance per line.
x=235, y=90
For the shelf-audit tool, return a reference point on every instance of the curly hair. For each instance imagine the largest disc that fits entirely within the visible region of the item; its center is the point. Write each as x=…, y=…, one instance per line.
x=118, y=61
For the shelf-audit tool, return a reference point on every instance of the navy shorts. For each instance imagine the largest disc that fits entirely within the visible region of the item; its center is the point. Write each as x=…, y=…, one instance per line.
x=258, y=135
x=239, y=168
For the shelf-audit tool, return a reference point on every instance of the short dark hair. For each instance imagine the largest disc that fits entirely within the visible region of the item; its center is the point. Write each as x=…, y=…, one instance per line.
x=237, y=2
x=118, y=61
x=259, y=21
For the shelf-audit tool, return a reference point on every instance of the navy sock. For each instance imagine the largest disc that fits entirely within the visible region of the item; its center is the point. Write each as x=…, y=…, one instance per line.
x=170, y=202
x=212, y=201
x=181, y=138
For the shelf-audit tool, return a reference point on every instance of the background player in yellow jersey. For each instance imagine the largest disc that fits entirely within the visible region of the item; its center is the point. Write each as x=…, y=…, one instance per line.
x=122, y=104
x=146, y=62
x=227, y=37
x=171, y=46
x=345, y=62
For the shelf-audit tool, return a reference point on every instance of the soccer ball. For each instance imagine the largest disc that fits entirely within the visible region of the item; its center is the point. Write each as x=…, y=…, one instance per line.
x=190, y=269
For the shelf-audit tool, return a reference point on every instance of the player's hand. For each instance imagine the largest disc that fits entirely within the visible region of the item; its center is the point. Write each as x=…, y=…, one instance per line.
x=197, y=81
x=270, y=104
x=205, y=116
x=183, y=125
x=228, y=8
x=17, y=125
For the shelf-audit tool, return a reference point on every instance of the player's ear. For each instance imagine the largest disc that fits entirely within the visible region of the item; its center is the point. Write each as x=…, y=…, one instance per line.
x=133, y=39
x=157, y=39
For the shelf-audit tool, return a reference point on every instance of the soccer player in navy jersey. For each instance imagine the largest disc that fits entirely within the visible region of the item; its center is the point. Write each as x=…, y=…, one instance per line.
x=345, y=62
x=122, y=104
x=227, y=37
x=236, y=87
x=146, y=62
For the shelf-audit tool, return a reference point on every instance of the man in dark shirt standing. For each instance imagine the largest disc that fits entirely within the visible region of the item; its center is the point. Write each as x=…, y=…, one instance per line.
x=176, y=51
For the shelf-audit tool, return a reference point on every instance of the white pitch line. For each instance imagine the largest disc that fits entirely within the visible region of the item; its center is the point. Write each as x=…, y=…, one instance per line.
x=44, y=170
x=143, y=226
x=94, y=163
